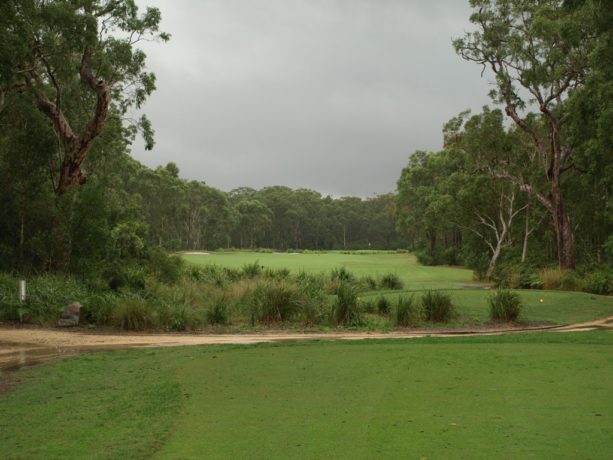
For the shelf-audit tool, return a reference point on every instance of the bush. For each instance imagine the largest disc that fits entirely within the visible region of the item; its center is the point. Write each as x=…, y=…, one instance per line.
x=346, y=308
x=342, y=274
x=369, y=306
x=251, y=270
x=408, y=312
x=275, y=301
x=276, y=273
x=383, y=305
x=132, y=315
x=599, y=282
x=505, y=305
x=167, y=268
x=218, y=312
x=181, y=317
x=98, y=308
x=570, y=281
x=437, y=306
x=550, y=277
x=517, y=276
x=368, y=282
x=391, y=281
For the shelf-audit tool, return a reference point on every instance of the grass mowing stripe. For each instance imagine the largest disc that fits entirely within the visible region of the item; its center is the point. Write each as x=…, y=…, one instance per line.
x=541, y=395
x=118, y=404
x=435, y=399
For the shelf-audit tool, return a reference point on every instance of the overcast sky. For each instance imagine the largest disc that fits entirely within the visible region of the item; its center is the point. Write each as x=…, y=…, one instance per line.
x=332, y=95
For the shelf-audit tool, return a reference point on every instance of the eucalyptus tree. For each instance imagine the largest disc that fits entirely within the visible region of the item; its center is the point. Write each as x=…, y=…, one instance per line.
x=538, y=52
x=254, y=219
x=79, y=62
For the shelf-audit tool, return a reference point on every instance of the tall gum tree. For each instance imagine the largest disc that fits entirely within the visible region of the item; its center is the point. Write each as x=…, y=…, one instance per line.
x=79, y=61
x=538, y=52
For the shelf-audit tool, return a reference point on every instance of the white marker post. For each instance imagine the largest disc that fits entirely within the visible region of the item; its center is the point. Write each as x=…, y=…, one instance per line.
x=22, y=290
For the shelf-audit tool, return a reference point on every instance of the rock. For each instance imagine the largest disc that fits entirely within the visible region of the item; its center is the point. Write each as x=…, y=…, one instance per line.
x=71, y=315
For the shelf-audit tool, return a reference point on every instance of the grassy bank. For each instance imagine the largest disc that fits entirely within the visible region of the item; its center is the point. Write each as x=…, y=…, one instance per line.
x=366, y=263
x=236, y=291
x=520, y=396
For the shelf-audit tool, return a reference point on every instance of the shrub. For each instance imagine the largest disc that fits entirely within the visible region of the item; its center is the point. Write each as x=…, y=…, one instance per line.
x=274, y=301
x=195, y=273
x=437, y=306
x=342, y=274
x=231, y=274
x=570, y=281
x=218, y=312
x=368, y=282
x=505, y=305
x=346, y=308
x=215, y=275
x=167, y=268
x=276, y=273
x=408, y=312
x=251, y=270
x=132, y=315
x=391, y=281
x=599, y=282
x=99, y=308
x=120, y=276
x=181, y=318
x=383, y=305
x=369, y=306
x=550, y=277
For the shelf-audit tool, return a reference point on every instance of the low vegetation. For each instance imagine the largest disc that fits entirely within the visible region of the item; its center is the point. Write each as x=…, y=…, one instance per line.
x=174, y=296
x=505, y=305
x=482, y=397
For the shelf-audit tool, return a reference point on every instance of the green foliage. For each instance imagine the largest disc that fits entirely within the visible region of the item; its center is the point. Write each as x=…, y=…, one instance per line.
x=453, y=378
x=409, y=313
x=599, y=282
x=167, y=268
x=275, y=301
x=391, y=281
x=251, y=270
x=347, y=311
x=517, y=276
x=437, y=306
x=369, y=282
x=384, y=306
x=550, y=278
x=217, y=313
x=505, y=305
x=342, y=274
x=132, y=314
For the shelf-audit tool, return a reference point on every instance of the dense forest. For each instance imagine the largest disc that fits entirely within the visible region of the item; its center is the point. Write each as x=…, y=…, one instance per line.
x=73, y=199
x=529, y=181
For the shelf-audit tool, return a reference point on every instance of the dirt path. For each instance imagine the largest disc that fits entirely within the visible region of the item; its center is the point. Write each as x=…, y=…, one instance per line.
x=30, y=345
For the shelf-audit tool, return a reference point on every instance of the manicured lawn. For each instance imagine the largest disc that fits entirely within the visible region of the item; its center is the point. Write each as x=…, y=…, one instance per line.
x=414, y=275
x=558, y=307
x=545, y=395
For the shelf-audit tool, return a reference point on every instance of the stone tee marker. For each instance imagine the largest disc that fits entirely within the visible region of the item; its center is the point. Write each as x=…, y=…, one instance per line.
x=71, y=315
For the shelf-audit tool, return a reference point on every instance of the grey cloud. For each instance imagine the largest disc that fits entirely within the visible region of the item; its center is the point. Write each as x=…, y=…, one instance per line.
x=329, y=95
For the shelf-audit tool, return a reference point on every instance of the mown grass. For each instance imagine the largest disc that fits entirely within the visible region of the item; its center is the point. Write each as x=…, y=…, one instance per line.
x=545, y=395
x=557, y=307
x=405, y=266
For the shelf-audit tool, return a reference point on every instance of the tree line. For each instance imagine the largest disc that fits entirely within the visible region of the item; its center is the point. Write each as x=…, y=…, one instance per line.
x=531, y=182
x=528, y=181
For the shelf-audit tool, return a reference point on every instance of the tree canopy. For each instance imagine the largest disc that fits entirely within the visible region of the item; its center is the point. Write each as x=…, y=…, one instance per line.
x=78, y=64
